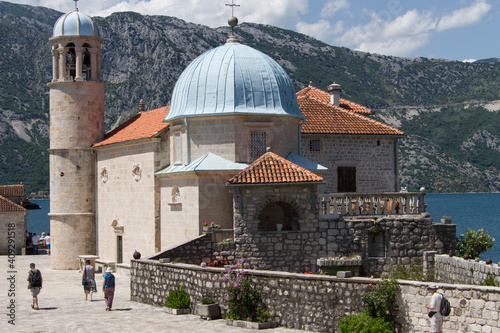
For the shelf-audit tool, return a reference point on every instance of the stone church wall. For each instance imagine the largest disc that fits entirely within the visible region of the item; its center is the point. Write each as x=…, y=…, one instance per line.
x=374, y=159
x=316, y=302
x=229, y=137
x=126, y=200
x=200, y=197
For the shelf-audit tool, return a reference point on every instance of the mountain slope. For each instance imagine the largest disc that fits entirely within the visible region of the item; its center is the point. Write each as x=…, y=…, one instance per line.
x=144, y=55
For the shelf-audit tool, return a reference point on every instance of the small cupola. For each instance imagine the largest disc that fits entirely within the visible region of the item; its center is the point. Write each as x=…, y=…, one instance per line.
x=335, y=89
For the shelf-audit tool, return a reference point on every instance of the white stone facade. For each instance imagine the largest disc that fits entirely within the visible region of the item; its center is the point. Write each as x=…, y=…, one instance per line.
x=230, y=137
x=202, y=197
x=128, y=199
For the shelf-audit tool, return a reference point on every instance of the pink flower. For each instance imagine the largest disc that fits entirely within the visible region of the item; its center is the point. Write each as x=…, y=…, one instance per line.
x=370, y=284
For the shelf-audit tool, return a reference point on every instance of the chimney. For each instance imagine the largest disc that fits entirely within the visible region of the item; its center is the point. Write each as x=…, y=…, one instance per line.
x=142, y=106
x=334, y=89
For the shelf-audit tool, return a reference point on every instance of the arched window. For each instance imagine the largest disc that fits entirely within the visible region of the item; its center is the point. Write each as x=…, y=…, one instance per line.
x=70, y=62
x=176, y=194
x=86, y=63
x=276, y=213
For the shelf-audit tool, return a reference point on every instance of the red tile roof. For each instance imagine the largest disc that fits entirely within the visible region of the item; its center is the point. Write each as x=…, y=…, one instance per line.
x=325, y=118
x=273, y=169
x=144, y=125
x=12, y=190
x=8, y=206
x=325, y=97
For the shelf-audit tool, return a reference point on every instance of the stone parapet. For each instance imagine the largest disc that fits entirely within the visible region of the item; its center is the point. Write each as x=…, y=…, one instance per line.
x=317, y=302
x=459, y=270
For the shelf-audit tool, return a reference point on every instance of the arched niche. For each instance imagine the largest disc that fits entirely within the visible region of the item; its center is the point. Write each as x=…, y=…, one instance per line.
x=279, y=212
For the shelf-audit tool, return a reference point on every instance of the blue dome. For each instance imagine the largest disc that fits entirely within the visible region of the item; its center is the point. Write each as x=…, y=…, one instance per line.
x=233, y=79
x=75, y=23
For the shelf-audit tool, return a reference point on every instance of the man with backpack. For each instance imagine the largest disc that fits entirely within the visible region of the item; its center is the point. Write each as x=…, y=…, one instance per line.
x=435, y=307
x=34, y=284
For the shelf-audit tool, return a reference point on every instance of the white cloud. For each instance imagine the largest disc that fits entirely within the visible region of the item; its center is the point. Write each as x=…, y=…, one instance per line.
x=321, y=30
x=400, y=37
x=282, y=13
x=464, y=16
x=333, y=6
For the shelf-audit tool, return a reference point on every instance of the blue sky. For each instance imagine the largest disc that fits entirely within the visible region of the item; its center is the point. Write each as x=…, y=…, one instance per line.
x=450, y=29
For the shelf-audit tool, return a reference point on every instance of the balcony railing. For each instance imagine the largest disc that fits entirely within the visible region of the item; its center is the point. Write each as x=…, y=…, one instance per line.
x=334, y=205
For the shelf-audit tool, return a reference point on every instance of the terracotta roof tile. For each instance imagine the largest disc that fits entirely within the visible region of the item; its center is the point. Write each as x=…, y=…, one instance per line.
x=8, y=206
x=144, y=125
x=10, y=190
x=325, y=118
x=273, y=169
x=325, y=97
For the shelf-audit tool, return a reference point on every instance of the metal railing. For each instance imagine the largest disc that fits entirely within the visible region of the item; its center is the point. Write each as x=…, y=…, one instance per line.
x=334, y=205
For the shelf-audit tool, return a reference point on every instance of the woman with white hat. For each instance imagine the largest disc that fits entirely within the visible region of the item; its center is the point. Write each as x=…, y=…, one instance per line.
x=108, y=287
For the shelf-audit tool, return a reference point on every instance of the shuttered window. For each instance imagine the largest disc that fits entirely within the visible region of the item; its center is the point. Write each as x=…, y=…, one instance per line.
x=346, y=179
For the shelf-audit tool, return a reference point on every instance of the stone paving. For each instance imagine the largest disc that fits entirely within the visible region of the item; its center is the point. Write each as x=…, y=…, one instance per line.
x=63, y=307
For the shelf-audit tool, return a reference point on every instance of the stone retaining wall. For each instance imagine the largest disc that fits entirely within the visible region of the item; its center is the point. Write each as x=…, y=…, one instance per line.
x=317, y=302
x=459, y=270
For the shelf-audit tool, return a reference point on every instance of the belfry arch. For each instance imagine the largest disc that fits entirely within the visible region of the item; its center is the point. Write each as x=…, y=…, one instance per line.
x=76, y=60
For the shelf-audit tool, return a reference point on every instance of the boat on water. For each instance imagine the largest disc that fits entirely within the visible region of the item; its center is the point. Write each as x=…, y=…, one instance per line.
x=29, y=205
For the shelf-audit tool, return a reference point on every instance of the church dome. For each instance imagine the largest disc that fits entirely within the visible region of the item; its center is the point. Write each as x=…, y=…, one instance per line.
x=75, y=23
x=233, y=79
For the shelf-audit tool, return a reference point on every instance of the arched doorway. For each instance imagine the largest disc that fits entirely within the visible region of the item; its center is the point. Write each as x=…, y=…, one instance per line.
x=276, y=213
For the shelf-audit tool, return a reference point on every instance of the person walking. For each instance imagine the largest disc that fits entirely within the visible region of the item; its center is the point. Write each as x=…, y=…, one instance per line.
x=434, y=307
x=47, y=242
x=108, y=287
x=34, y=242
x=88, y=280
x=34, y=284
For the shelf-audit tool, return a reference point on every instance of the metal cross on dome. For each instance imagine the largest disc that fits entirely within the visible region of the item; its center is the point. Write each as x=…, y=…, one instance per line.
x=75, y=3
x=232, y=5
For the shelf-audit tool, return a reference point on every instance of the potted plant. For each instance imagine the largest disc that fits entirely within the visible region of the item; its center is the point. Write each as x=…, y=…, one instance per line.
x=177, y=301
x=206, y=226
x=446, y=219
x=208, y=308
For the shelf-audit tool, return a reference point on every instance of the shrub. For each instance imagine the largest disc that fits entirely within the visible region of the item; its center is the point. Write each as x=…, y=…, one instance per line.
x=362, y=323
x=240, y=296
x=207, y=300
x=178, y=298
x=411, y=272
x=474, y=243
x=263, y=316
x=380, y=300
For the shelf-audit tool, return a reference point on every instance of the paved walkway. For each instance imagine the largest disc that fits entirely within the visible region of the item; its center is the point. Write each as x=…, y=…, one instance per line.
x=63, y=307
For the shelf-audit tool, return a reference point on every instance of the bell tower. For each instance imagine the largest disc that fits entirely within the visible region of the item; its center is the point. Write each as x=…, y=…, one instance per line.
x=76, y=122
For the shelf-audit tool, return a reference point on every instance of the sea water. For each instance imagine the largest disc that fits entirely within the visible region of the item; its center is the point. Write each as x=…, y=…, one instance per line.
x=467, y=210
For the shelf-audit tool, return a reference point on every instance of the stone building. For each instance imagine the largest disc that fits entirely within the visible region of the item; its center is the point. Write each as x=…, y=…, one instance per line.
x=13, y=222
x=237, y=147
